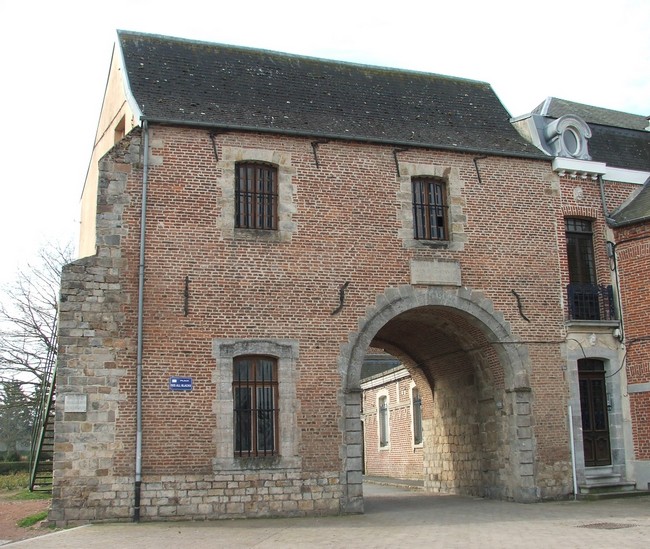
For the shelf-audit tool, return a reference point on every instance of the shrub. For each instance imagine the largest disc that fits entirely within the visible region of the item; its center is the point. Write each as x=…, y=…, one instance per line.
x=12, y=455
x=7, y=467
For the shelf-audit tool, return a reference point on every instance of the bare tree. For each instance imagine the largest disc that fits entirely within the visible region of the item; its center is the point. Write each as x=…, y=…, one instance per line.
x=28, y=319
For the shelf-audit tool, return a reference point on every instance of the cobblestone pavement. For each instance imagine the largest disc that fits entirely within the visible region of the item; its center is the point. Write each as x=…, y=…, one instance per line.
x=395, y=517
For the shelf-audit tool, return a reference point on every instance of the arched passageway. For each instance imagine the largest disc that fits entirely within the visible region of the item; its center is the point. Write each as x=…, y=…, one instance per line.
x=473, y=379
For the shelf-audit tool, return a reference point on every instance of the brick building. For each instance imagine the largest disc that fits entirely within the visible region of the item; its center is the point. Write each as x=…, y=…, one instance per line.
x=631, y=259
x=602, y=166
x=253, y=223
x=391, y=416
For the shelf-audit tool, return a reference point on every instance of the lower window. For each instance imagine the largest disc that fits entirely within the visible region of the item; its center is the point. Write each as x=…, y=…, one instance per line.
x=255, y=398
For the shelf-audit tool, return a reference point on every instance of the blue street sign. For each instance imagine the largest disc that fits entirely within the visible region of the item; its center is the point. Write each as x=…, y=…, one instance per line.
x=180, y=383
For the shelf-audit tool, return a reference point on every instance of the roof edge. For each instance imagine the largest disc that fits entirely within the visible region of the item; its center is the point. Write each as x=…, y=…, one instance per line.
x=337, y=137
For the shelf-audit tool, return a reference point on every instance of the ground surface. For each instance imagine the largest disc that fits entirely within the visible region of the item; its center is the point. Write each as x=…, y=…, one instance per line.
x=11, y=511
x=394, y=517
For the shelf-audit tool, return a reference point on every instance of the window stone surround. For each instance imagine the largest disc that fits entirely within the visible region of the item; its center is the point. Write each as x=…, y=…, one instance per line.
x=286, y=194
x=286, y=353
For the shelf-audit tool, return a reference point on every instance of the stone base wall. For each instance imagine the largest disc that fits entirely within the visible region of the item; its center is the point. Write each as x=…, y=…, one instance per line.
x=199, y=497
x=554, y=481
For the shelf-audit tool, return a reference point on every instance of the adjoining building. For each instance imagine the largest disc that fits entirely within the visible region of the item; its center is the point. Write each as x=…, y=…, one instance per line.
x=391, y=415
x=602, y=159
x=254, y=224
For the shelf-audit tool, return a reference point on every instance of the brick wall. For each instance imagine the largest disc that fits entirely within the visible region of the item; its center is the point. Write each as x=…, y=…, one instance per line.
x=342, y=222
x=401, y=458
x=633, y=264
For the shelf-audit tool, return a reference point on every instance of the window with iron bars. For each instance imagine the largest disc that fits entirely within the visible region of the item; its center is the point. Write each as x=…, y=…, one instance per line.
x=429, y=209
x=255, y=397
x=256, y=196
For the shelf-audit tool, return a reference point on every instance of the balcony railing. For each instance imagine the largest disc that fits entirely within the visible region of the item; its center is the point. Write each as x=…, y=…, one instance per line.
x=591, y=302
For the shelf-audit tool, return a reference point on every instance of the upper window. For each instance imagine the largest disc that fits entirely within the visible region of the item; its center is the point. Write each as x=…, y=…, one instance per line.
x=429, y=209
x=580, y=251
x=586, y=298
x=255, y=397
x=256, y=196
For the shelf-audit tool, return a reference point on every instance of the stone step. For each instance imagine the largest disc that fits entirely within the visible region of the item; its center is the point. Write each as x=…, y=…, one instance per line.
x=600, y=479
x=612, y=495
x=606, y=487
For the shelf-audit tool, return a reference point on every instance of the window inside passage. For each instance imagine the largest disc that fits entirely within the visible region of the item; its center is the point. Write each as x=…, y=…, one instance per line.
x=429, y=209
x=255, y=397
x=417, y=416
x=256, y=196
x=383, y=421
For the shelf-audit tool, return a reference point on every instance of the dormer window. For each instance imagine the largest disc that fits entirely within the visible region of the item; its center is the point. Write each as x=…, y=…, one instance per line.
x=568, y=137
x=571, y=141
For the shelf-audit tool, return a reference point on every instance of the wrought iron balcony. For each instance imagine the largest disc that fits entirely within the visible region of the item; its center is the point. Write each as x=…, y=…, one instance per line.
x=591, y=302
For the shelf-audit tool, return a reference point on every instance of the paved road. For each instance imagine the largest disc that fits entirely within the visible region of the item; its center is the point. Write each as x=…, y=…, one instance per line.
x=394, y=517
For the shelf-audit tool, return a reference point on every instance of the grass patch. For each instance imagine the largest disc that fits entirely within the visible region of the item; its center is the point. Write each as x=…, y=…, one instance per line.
x=25, y=494
x=32, y=519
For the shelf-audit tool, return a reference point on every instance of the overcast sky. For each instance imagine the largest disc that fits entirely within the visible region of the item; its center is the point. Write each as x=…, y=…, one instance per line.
x=55, y=60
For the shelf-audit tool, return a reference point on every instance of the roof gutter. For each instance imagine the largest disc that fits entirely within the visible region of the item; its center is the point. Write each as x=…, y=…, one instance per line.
x=298, y=133
x=616, y=224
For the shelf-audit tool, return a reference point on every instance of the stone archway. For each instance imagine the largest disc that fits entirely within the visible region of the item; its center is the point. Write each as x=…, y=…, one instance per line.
x=442, y=329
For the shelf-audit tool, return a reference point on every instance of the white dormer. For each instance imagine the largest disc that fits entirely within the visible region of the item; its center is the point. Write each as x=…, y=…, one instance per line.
x=568, y=137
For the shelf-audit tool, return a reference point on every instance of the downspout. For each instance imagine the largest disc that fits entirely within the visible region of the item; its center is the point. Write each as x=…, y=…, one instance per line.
x=611, y=252
x=143, y=220
x=602, y=197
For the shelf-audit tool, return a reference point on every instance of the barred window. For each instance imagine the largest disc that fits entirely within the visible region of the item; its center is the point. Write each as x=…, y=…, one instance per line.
x=256, y=196
x=255, y=397
x=429, y=209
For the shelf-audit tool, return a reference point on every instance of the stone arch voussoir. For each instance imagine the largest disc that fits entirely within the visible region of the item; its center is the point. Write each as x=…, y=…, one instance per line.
x=476, y=307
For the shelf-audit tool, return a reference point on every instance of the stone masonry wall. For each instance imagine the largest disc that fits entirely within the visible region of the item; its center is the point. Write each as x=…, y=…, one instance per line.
x=90, y=372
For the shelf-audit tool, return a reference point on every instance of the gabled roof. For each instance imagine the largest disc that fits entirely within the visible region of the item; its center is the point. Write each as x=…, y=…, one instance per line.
x=199, y=83
x=635, y=210
x=619, y=139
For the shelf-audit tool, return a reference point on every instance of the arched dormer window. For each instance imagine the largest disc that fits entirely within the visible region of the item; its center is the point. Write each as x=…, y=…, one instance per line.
x=568, y=136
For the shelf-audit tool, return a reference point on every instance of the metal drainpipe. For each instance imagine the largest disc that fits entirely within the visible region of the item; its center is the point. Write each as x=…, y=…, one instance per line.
x=143, y=220
x=602, y=197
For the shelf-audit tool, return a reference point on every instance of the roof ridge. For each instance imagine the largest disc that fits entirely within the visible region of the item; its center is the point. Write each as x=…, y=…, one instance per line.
x=122, y=32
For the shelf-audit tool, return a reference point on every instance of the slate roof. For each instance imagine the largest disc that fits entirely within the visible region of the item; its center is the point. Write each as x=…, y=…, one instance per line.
x=618, y=139
x=637, y=209
x=199, y=83
x=375, y=366
x=555, y=108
